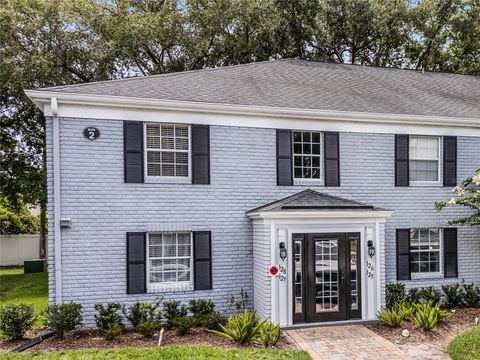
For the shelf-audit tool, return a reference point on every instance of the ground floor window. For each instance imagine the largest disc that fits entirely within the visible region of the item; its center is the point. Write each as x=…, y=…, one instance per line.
x=169, y=258
x=425, y=250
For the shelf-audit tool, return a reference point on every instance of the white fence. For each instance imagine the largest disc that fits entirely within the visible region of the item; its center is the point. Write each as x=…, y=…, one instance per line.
x=15, y=249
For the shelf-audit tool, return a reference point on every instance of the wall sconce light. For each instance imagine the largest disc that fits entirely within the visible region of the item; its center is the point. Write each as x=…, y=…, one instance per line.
x=283, y=251
x=371, y=248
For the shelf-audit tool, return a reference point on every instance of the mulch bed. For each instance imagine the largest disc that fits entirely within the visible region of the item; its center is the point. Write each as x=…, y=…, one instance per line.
x=440, y=336
x=7, y=345
x=88, y=339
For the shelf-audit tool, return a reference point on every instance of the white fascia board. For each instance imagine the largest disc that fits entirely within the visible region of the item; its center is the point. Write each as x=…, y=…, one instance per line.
x=375, y=214
x=130, y=108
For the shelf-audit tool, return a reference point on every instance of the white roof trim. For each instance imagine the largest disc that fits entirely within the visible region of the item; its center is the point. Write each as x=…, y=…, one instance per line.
x=321, y=214
x=42, y=98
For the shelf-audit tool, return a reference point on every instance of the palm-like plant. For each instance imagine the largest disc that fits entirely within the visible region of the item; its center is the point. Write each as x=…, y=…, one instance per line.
x=426, y=316
x=241, y=328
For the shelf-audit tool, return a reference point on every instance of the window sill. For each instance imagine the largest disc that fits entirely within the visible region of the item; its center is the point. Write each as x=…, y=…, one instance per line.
x=152, y=289
x=313, y=182
x=427, y=276
x=167, y=180
x=425, y=184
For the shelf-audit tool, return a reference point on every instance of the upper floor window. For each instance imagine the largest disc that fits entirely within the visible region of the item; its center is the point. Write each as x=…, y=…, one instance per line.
x=168, y=149
x=425, y=250
x=169, y=258
x=306, y=154
x=424, y=155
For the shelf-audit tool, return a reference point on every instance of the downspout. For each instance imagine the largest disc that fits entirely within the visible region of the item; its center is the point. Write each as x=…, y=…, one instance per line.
x=56, y=202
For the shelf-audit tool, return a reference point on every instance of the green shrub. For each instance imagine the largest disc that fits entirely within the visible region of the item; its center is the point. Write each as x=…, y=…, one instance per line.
x=141, y=312
x=182, y=324
x=112, y=331
x=268, y=334
x=211, y=321
x=172, y=310
x=241, y=328
x=391, y=317
x=147, y=328
x=200, y=308
x=16, y=320
x=471, y=295
x=108, y=320
x=453, y=295
x=63, y=318
x=394, y=293
x=427, y=315
x=416, y=295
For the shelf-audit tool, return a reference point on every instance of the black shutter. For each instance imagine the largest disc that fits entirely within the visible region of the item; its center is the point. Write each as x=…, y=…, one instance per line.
x=450, y=252
x=284, y=157
x=202, y=258
x=332, y=159
x=133, y=151
x=136, y=263
x=403, y=254
x=402, y=177
x=449, y=160
x=200, y=154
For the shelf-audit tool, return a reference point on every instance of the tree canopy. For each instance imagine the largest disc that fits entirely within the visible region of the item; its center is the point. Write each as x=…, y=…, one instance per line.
x=47, y=43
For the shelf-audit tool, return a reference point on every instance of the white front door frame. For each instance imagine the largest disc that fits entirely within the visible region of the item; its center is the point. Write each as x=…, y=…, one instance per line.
x=372, y=270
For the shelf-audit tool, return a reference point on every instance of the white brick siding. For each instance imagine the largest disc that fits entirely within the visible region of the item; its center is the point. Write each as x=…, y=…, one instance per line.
x=243, y=176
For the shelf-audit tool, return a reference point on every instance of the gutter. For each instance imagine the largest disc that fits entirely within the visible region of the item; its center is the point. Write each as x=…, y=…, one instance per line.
x=56, y=201
x=42, y=98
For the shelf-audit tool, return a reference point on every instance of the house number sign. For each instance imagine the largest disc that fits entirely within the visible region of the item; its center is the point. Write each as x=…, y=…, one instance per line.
x=370, y=270
x=91, y=133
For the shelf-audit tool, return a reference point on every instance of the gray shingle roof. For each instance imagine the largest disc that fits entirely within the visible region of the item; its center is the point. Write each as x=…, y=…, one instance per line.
x=301, y=84
x=312, y=200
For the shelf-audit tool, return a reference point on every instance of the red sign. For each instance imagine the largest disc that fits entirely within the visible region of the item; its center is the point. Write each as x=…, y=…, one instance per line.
x=273, y=270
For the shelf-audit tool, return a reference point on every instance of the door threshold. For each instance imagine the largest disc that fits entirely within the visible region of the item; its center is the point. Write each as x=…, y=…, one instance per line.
x=329, y=323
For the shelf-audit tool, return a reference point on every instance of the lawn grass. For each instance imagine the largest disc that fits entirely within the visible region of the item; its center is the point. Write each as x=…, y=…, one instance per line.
x=466, y=346
x=17, y=287
x=170, y=352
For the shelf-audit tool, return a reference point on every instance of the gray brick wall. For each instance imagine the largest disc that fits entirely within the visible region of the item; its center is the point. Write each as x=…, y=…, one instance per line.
x=243, y=176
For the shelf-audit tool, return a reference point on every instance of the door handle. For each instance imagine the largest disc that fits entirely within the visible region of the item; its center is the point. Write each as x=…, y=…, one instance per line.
x=342, y=276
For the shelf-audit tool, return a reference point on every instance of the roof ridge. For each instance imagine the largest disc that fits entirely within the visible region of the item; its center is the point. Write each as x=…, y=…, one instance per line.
x=173, y=73
x=423, y=71
x=254, y=63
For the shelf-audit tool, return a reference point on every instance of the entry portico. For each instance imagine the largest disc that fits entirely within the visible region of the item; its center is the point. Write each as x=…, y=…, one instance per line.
x=334, y=265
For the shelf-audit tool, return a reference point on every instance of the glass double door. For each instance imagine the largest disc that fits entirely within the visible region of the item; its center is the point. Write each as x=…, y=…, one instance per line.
x=326, y=277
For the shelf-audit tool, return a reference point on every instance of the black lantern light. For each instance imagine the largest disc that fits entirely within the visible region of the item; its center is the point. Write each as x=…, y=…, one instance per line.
x=283, y=251
x=371, y=248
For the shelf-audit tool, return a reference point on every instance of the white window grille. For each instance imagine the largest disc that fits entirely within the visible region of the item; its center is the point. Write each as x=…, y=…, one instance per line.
x=306, y=154
x=168, y=150
x=425, y=250
x=424, y=154
x=169, y=258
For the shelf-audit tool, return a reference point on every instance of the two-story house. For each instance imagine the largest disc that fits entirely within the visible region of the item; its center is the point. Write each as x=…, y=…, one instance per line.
x=194, y=184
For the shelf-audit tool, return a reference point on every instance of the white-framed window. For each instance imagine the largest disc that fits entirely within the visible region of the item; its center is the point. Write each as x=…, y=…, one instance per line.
x=425, y=251
x=424, y=163
x=170, y=260
x=167, y=150
x=306, y=154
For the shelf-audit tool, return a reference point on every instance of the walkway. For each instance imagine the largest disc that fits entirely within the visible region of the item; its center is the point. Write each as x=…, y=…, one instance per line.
x=345, y=342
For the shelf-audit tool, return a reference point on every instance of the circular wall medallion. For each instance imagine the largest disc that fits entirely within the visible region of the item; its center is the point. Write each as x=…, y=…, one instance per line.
x=91, y=133
x=273, y=270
